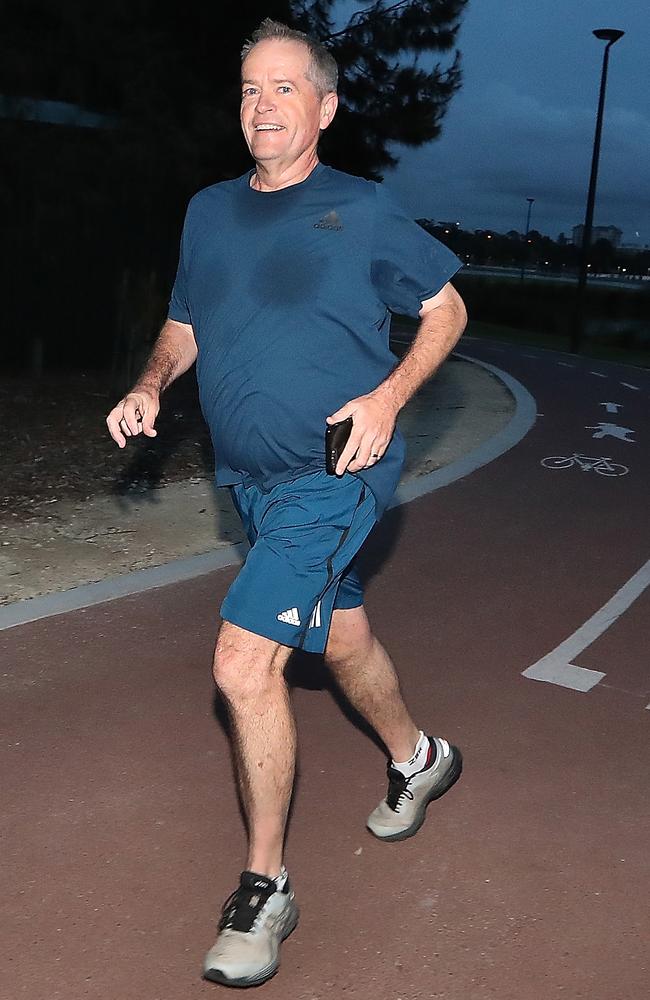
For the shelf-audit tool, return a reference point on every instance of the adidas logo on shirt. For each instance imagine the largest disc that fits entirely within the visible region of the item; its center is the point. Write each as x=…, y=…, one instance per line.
x=290, y=616
x=329, y=221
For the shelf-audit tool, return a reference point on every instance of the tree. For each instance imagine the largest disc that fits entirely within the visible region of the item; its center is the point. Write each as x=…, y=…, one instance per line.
x=385, y=96
x=168, y=71
x=166, y=74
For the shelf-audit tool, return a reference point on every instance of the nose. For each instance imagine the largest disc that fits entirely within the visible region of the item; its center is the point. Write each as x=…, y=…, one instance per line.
x=265, y=101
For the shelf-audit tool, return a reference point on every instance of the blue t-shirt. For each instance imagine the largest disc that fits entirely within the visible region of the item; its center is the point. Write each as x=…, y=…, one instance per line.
x=288, y=293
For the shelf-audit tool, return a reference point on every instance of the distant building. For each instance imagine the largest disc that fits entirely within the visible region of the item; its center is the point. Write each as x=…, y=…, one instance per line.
x=611, y=233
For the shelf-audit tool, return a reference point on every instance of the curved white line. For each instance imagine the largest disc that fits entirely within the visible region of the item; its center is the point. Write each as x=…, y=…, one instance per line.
x=127, y=584
x=517, y=428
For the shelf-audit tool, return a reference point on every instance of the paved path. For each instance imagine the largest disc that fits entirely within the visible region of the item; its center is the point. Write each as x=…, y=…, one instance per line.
x=528, y=881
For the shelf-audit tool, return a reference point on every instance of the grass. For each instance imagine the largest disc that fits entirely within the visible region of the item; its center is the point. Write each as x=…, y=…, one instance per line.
x=556, y=342
x=549, y=341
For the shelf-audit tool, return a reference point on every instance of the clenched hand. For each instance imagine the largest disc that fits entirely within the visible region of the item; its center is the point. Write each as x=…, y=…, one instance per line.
x=135, y=414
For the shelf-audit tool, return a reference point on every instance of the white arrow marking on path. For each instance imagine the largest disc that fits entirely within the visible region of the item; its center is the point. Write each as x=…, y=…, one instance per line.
x=628, y=386
x=556, y=667
x=612, y=430
x=611, y=407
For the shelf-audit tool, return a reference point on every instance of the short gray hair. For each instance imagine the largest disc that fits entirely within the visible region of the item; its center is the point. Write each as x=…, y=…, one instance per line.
x=323, y=71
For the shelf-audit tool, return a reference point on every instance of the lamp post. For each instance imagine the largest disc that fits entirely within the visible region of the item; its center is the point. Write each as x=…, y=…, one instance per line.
x=525, y=256
x=609, y=35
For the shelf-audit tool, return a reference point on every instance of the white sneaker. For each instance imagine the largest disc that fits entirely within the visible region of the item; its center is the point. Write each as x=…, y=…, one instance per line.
x=255, y=921
x=402, y=812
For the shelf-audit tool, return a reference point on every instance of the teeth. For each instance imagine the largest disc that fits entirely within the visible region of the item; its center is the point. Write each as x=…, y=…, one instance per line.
x=268, y=128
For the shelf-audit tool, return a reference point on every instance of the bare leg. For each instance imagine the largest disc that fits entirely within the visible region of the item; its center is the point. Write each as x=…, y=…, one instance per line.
x=364, y=672
x=249, y=672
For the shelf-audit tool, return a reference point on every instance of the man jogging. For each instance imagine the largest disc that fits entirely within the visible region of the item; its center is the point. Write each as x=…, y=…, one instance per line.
x=285, y=284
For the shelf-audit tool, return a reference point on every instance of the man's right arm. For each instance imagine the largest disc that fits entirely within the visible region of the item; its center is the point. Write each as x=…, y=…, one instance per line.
x=174, y=352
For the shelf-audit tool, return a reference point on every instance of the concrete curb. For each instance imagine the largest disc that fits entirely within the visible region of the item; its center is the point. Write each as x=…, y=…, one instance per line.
x=517, y=428
x=125, y=585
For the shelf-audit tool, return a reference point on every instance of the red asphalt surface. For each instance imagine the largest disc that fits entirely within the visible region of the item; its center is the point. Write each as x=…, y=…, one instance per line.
x=529, y=880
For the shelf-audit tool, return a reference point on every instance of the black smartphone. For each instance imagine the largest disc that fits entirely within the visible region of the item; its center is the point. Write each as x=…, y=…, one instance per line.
x=336, y=438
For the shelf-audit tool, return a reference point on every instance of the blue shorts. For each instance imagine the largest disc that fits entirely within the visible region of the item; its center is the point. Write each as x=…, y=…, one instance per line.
x=304, y=535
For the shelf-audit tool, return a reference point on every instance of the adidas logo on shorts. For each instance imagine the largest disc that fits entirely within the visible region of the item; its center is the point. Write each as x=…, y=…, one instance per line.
x=291, y=616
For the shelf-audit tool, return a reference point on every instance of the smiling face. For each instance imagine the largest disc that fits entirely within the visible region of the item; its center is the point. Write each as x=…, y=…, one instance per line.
x=282, y=113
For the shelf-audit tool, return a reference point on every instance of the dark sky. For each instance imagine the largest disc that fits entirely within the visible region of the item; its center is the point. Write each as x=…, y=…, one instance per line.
x=523, y=124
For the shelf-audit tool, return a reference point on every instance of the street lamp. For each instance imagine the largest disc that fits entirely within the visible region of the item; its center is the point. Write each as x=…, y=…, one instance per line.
x=523, y=260
x=609, y=35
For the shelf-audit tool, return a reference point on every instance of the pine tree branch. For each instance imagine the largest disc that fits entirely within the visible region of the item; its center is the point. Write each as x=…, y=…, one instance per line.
x=373, y=13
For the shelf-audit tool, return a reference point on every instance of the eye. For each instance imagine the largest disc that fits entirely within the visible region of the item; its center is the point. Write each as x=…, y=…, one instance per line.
x=285, y=88
x=248, y=91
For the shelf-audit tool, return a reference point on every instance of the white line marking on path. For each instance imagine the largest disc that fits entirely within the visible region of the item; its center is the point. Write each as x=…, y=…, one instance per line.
x=599, y=374
x=604, y=429
x=628, y=386
x=603, y=466
x=612, y=407
x=556, y=667
x=565, y=364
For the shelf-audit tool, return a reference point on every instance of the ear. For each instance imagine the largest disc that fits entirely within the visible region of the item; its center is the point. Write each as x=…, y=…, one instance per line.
x=328, y=107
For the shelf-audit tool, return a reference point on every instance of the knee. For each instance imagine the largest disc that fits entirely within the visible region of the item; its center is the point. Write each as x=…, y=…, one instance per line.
x=348, y=642
x=230, y=675
x=245, y=665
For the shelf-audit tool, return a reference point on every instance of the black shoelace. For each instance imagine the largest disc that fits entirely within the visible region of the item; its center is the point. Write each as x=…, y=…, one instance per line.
x=243, y=907
x=398, y=786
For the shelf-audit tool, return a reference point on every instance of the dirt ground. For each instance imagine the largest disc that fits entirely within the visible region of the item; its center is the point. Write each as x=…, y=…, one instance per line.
x=76, y=509
x=58, y=447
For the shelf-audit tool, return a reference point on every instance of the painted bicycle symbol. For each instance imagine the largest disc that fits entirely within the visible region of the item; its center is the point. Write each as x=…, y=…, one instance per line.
x=603, y=466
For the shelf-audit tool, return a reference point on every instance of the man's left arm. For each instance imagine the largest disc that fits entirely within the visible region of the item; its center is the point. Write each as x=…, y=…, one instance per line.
x=442, y=321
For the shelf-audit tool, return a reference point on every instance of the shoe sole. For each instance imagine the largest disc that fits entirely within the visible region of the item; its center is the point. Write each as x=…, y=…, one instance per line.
x=451, y=777
x=216, y=976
